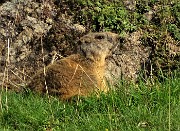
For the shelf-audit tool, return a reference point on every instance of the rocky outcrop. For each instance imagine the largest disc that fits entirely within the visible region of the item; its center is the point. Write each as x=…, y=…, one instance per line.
x=34, y=34
x=127, y=60
x=23, y=24
x=31, y=36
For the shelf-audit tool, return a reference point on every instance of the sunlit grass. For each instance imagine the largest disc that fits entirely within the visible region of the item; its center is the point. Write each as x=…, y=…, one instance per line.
x=131, y=107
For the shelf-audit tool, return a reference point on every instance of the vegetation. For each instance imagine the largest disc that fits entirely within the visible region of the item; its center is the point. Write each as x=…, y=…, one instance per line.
x=139, y=106
x=120, y=16
x=130, y=107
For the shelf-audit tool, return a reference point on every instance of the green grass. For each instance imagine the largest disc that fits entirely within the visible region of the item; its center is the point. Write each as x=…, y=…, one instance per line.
x=132, y=107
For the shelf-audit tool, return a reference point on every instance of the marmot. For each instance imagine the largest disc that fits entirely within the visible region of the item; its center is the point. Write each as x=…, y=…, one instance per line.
x=79, y=74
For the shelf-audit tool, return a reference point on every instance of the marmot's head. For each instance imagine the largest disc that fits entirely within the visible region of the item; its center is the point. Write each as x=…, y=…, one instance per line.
x=97, y=46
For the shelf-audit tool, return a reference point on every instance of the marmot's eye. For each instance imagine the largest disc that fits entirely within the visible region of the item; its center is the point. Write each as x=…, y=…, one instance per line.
x=99, y=37
x=86, y=42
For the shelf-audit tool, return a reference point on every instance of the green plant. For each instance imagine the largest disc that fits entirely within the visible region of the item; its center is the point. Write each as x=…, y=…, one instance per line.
x=174, y=30
x=174, y=27
x=105, y=16
x=130, y=107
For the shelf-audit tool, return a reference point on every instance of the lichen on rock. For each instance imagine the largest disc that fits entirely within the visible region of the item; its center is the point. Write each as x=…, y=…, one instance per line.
x=22, y=23
x=126, y=61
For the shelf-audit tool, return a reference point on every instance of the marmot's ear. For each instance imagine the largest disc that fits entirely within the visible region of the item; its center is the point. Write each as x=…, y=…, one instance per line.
x=85, y=39
x=112, y=37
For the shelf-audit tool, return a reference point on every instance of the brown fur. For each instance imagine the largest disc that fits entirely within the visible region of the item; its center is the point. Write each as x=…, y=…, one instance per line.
x=79, y=74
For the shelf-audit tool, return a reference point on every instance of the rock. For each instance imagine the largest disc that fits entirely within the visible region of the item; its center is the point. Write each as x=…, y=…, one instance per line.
x=21, y=24
x=127, y=60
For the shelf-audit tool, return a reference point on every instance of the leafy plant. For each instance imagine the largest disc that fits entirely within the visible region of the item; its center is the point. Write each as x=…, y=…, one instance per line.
x=174, y=27
x=105, y=16
x=174, y=30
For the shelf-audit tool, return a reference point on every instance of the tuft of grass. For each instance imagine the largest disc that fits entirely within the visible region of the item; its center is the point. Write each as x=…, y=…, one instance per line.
x=130, y=107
